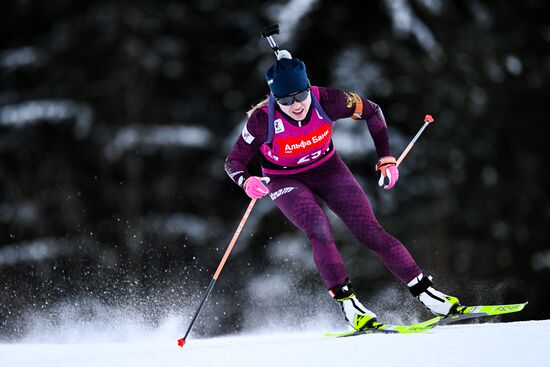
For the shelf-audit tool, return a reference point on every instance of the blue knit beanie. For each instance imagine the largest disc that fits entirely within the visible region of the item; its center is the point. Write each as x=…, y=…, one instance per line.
x=287, y=76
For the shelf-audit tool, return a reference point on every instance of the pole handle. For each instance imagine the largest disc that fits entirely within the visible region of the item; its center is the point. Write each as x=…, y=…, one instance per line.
x=270, y=31
x=428, y=119
x=268, y=34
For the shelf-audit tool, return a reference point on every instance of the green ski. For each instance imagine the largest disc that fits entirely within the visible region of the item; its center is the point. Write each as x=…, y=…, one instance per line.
x=470, y=312
x=385, y=329
x=462, y=313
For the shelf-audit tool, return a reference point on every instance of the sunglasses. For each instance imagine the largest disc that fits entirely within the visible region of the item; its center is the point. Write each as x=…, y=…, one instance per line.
x=290, y=99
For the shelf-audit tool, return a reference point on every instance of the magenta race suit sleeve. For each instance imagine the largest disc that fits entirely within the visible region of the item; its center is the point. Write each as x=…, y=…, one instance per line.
x=336, y=103
x=253, y=135
x=339, y=104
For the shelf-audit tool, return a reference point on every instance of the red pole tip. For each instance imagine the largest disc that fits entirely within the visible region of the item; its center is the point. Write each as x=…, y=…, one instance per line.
x=181, y=342
x=428, y=118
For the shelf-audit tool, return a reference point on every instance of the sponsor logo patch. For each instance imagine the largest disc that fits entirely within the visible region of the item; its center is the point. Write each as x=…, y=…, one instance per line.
x=297, y=145
x=349, y=100
x=279, y=126
x=280, y=192
x=247, y=136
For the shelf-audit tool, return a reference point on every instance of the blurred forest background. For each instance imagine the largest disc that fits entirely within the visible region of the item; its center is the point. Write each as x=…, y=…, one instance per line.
x=116, y=117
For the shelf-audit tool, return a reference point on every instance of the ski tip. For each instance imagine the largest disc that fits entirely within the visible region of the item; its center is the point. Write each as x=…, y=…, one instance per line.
x=181, y=343
x=429, y=118
x=519, y=306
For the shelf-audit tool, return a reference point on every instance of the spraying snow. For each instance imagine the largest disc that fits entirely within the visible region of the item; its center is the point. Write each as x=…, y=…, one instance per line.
x=497, y=344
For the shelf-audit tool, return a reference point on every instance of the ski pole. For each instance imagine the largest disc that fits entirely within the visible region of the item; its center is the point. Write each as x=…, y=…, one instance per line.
x=181, y=342
x=428, y=119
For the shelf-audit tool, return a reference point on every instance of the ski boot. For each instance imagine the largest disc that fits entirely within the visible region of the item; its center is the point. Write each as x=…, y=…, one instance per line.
x=354, y=312
x=437, y=302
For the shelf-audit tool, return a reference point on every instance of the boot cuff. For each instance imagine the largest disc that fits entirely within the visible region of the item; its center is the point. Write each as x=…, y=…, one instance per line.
x=421, y=286
x=341, y=291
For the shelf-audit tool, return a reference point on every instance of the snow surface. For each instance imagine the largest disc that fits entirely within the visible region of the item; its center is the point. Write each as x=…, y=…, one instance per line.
x=493, y=344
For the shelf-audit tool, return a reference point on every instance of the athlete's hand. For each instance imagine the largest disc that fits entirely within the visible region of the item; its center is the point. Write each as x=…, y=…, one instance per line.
x=389, y=174
x=255, y=188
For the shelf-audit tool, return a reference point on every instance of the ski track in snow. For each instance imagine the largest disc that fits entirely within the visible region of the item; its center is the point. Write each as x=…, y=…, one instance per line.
x=495, y=344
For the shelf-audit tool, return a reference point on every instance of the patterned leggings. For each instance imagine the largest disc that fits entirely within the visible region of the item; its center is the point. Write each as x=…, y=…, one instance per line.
x=297, y=197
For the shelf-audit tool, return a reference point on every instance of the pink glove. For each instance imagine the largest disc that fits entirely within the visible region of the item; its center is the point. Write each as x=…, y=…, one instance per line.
x=389, y=173
x=255, y=188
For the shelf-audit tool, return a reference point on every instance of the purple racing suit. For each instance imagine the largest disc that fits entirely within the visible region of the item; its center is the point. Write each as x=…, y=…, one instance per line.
x=297, y=190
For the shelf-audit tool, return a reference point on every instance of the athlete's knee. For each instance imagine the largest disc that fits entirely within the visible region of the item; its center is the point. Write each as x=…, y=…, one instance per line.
x=320, y=232
x=378, y=240
x=386, y=247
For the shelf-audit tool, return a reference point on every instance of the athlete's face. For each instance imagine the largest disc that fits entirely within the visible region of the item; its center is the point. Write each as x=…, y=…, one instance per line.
x=297, y=110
